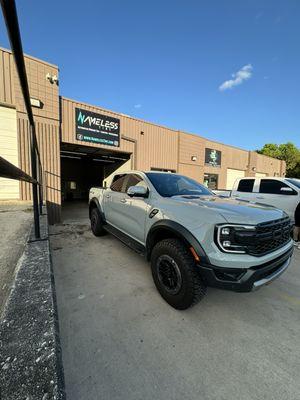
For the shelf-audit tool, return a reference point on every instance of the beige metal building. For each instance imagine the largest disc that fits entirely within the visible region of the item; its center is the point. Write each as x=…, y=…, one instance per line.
x=81, y=144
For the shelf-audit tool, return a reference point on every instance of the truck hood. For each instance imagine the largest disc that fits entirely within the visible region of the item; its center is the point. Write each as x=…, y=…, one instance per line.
x=234, y=211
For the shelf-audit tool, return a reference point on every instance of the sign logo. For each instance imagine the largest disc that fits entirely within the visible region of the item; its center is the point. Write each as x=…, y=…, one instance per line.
x=213, y=157
x=97, y=128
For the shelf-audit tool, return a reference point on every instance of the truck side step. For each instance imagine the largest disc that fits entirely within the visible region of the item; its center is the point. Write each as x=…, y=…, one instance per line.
x=129, y=241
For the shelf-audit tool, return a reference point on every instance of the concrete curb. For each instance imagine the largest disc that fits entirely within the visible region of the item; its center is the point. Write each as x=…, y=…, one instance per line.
x=30, y=357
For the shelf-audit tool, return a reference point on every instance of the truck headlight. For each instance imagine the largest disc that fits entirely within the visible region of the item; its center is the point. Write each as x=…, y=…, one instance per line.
x=233, y=238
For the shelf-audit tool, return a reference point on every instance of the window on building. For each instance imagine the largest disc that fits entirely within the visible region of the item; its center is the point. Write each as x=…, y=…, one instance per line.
x=72, y=185
x=245, y=185
x=211, y=181
x=163, y=170
x=118, y=183
x=272, y=186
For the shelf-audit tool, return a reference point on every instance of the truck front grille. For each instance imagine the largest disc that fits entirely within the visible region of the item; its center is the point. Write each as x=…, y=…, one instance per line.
x=267, y=237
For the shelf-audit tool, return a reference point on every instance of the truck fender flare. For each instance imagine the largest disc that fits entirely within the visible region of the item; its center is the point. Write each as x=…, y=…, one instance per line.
x=95, y=201
x=181, y=232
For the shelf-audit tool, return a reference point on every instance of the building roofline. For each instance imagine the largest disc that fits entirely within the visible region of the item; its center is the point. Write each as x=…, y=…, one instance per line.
x=264, y=155
x=215, y=141
x=152, y=123
x=131, y=117
x=118, y=113
x=32, y=58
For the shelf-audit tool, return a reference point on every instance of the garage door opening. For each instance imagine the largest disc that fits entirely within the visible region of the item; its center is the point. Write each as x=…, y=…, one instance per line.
x=232, y=176
x=83, y=167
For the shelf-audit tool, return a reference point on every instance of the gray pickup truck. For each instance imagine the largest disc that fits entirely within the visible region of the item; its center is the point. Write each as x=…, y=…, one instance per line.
x=193, y=238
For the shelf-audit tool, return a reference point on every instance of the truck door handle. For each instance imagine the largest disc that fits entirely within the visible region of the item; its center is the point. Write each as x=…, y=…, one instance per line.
x=107, y=196
x=260, y=197
x=123, y=201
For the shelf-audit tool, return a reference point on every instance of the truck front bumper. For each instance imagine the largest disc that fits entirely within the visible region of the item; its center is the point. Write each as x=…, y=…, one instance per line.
x=246, y=280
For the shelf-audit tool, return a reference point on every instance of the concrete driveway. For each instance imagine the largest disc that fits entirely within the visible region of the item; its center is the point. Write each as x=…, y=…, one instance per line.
x=120, y=340
x=15, y=223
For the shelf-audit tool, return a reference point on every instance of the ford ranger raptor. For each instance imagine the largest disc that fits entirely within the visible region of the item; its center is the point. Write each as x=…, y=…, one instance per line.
x=192, y=237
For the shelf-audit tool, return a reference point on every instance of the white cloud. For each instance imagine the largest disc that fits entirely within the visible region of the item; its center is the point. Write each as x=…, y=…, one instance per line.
x=239, y=77
x=137, y=106
x=259, y=15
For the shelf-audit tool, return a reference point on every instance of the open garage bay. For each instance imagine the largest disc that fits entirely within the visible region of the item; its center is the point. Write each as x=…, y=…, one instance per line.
x=120, y=340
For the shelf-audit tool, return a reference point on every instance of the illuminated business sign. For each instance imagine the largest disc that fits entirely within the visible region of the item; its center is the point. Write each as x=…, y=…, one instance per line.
x=213, y=157
x=97, y=128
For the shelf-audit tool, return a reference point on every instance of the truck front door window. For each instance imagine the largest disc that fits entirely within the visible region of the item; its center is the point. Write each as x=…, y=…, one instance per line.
x=133, y=210
x=118, y=183
x=134, y=180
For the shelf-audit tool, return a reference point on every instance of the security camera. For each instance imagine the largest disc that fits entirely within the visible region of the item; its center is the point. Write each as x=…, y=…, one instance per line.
x=54, y=79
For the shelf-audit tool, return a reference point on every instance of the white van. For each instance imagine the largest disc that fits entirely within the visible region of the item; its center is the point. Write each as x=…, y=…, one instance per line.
x=282, y=193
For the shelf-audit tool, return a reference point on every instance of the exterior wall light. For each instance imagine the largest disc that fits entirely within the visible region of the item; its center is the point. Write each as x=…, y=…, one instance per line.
x=36, y=103
x=194, y=158
x=253, y=168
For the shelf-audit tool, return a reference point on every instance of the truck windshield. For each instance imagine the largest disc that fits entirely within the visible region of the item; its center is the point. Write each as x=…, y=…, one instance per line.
x=168, y=185
x=295, y=182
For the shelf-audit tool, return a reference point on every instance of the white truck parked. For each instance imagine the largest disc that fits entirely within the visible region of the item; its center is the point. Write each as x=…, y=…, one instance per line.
x=282, y=193
x=193, y=238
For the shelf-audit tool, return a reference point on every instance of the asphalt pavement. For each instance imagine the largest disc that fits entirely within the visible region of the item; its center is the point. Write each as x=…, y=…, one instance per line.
x=120, y=340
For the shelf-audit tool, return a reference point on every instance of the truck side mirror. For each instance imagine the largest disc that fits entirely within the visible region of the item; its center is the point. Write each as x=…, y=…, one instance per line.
x=138, y=191
x=287, y=190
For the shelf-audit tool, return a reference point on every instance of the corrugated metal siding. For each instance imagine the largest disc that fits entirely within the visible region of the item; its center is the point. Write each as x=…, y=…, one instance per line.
x=157, y=147
x=267, y=165
x=193, y=171
x=49, y=146
x=232, y=157
x=6, y=78
x=191, y=145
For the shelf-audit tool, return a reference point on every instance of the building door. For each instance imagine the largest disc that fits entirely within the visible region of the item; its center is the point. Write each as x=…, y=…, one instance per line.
x=211, y=181
x=232, y=176
x=9, y=188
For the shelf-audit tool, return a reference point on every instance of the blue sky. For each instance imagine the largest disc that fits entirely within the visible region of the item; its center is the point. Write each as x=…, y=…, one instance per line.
x=168, y=61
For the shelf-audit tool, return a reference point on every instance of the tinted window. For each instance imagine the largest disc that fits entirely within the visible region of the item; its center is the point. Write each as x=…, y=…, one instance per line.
x=295, y=182
x=134, y=180
x=245, y=185
x=117, y=183
x=273, y=186
x=168, y=185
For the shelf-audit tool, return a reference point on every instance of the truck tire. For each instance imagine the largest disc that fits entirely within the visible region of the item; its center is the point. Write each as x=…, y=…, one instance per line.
x=175, y=274
x=96, y=223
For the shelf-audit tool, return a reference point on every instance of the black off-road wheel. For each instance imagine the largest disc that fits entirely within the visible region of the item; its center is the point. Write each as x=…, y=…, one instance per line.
x=97, y=223
x=175, y=274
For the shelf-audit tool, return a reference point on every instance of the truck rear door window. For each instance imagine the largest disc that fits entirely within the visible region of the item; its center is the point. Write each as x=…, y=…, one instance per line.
x=245, y=185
